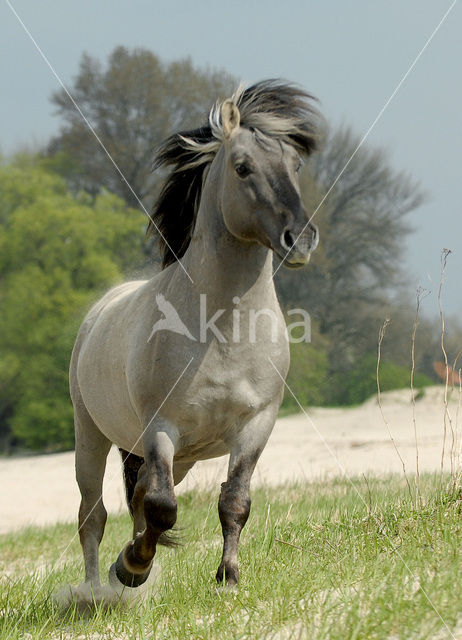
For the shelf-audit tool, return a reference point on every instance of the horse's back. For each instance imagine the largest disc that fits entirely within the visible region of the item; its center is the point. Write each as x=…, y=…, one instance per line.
x=112, y=296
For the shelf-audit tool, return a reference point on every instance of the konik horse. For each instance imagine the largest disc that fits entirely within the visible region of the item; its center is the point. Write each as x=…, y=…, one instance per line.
x=170, y=396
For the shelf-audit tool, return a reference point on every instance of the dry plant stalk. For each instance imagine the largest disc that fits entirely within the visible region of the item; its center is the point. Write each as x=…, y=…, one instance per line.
x=458, y=472
x=446, y=415
x=457, y=445
x=289, y=544
x=382, y=332
x=420, y=295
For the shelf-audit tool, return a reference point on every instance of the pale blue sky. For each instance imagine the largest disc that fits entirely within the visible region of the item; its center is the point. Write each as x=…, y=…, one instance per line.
x=349, y=54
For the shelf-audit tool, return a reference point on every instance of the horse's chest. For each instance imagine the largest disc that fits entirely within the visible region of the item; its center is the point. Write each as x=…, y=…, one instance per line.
x=215, y=413
x=227, y=394
x=224, y=388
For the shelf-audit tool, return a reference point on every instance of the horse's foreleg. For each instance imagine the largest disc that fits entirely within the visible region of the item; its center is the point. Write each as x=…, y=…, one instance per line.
x=234, y=502
x=137, y=501
x=134, y=563
x=233, y=509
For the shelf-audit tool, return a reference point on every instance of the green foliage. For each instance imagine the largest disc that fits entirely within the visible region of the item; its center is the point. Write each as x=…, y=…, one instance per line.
x=361, y=381
x=58, y=252
x=308, y=373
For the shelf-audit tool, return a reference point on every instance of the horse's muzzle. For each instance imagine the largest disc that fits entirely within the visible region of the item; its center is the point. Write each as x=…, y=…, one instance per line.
x=298, y=247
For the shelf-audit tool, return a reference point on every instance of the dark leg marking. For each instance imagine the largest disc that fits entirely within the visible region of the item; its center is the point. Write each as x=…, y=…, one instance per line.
x=233, y=509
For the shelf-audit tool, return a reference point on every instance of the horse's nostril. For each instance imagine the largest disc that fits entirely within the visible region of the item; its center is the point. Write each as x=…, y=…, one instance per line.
x=288, y=239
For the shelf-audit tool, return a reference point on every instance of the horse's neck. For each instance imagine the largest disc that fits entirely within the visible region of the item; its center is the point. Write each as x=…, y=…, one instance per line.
x=223, y=266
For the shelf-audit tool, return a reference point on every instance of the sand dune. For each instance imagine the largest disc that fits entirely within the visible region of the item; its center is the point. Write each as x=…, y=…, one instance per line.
x=327, y=443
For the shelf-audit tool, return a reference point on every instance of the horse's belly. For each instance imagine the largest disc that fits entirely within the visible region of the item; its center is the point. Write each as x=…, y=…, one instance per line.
x=202, y=451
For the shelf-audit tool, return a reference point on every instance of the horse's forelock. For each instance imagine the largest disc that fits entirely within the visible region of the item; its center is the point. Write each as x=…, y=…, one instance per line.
x=280, y=110
x=277, y=109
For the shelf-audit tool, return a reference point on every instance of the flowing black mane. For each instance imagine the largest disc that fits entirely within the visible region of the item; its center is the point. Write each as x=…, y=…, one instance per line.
x=274, y=107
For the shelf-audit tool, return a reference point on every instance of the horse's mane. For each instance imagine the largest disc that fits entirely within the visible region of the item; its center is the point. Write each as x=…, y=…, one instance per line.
x=275, y=108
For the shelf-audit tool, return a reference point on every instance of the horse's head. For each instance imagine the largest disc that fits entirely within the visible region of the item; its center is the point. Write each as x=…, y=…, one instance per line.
x=257, y=139
x=260, y=198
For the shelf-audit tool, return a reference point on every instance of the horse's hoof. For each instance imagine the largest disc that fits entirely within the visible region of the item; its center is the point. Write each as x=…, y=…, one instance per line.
x=119, y=574
x=223, y=589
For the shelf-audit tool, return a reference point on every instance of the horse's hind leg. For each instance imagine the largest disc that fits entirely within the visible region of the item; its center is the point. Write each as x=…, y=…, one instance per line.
x=91, y=450
x=135, y=489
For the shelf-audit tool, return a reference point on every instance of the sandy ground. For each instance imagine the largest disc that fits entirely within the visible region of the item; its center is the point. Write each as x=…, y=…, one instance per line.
x=324, y=444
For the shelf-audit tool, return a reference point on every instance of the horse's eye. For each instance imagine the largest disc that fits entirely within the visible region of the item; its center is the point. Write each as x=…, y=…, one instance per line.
x=242, y=170
x=299, y=166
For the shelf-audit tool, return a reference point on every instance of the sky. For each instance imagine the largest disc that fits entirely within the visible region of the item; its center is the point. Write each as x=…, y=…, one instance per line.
x=351, y=55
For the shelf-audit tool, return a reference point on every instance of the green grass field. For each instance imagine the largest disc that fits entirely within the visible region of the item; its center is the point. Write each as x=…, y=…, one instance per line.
x=316, y=562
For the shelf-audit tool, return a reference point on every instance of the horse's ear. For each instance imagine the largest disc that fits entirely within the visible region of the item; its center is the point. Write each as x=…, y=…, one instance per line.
x=230, y=117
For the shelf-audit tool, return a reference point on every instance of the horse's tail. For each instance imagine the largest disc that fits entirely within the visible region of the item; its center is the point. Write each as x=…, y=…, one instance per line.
x=131, y=466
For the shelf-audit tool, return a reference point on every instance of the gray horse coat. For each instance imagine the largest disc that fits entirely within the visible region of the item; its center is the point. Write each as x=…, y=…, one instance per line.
x=174, y=390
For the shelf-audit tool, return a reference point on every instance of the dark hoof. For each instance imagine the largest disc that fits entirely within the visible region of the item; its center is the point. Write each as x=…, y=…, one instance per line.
x=227, y=577
x=125, y=577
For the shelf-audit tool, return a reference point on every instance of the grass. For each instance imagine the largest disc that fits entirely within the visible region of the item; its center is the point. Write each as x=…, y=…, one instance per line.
x=315, y=563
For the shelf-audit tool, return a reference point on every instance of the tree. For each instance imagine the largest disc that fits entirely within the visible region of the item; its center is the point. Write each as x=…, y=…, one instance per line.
x=58, y=253
x=308, y=375
x=361, y=382
x=133, y=104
